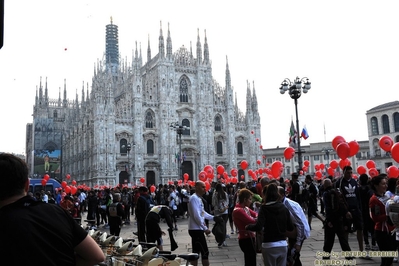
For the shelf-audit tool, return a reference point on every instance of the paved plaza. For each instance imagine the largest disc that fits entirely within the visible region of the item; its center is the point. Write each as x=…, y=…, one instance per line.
x=232, y=254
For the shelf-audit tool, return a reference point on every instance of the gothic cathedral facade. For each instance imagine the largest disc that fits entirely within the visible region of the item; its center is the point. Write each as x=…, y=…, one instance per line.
x=157, y=120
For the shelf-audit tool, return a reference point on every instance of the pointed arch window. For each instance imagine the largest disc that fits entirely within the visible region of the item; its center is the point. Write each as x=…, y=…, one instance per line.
x=374, y=126
x=123, y=146
x=385, y=124
x=396, y=121
x=149, y=119
x=183, y=91
x=150, y=147
x=55, y=114
x=219, y=148
x=186, y=123
x=218, y=124
x=239, y=148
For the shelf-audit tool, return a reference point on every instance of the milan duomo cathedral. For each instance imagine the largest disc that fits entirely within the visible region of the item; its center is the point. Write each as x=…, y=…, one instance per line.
x=155, y=120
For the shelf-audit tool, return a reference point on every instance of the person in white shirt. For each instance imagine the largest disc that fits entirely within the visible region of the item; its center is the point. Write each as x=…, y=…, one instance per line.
x=196, y=224
x=298, y=218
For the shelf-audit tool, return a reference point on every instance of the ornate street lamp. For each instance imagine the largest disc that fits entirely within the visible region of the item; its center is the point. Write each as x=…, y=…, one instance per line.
x=179, y=130
x=295, y=89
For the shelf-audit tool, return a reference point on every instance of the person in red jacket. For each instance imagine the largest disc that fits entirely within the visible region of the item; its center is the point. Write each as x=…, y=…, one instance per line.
x=383, y=226
x=242, y=216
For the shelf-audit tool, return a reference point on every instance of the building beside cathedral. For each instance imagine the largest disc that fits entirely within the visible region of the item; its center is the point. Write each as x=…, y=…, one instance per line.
x=128, y=124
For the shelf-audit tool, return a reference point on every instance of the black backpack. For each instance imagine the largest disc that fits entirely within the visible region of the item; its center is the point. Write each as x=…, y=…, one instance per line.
x=113, y=209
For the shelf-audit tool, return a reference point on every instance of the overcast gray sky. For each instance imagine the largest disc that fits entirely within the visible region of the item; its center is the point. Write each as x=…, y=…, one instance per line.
x=348, y=50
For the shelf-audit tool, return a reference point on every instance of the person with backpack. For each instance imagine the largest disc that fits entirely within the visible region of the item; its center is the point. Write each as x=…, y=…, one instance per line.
x=116, y=213
x=336, y=210
x=143, y=206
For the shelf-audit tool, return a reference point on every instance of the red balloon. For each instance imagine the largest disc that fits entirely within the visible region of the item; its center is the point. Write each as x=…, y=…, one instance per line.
x=337, y=140
x=207, y=185
x=257, y=140
x=209, y=171
x=142, y=180
x=258, y=162
x=64, y=184
x=242, y=177
x=370, y=164
x=322, y=166
x=44, y=182
x=68, y=176
x=220, y=169
x=361, y=170
x=386, y=143
x=234, y=180
x=202, y=176
x=306, y=163
x=317, y=167
x=318, y=174
x=252, y=132
x=152, y=189
x=353, y=148
x=185, y=176
x=330, y=171
x=333, y=164
x=343, y=163
x=373, y=172
x=260, y=171
x=244, y=164
x=234, y=172
x=261, y=147
x=46, y=177
x=277, y=169
x=74, y=190
x=289, y=153
x=73, y=182
x=343, y=150
x=301, y=172
x=395, y=152
x=67, y=189
x=393, y=171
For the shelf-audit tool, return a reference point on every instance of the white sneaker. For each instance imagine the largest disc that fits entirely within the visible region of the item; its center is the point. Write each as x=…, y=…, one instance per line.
x=367, y=247
x=395, y=260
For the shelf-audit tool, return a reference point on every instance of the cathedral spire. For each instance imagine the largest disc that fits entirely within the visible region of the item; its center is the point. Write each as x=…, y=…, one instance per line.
x=161, y=43
x=249, y=99
x=59, y=96
x=206, y=50
x=254, y=99
x=46, y=92
x=83, y=92
x=141, y=58
x=65, y=101
x=169, y=45
x=40, y=90
x=148, y=50
x=228, y=78
x=199, y=49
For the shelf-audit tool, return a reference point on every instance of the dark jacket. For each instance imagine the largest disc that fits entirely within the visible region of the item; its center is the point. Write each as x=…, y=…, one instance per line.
x=275, y=220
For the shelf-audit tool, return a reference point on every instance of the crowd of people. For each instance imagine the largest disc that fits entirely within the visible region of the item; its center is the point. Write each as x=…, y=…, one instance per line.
x=272, y=217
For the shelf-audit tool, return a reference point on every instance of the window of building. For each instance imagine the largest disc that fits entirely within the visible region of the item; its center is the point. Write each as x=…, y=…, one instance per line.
x=55, y=114
x=149, y=120
x=150, y=147
x=396, y=121
x=218, y=124
x=316, y=157
x=374, y=126
x=385, y=124
x=186, y=123
x=269, y=160
x=123, y=146
x=239, y=148
x=306, y=157
x=326, y=156
x=219, y=148
x=183, y=91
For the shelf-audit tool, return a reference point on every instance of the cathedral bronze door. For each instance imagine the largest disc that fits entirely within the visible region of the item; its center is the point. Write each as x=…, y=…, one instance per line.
x=123, y=177
x=241, y=173
x=150, y=178
x=187, y=167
